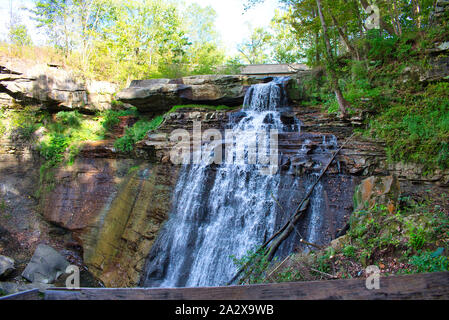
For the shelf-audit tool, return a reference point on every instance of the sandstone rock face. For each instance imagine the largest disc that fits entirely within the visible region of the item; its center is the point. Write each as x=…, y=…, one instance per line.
x=119, y=241
x=377, y=191
x=6, y=266
x=78, y=193
x=45, y=266
x=52, y=87
x=160, y=95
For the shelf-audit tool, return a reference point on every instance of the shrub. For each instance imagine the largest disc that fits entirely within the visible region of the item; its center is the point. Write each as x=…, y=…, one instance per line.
x=71, y=118
x=431, y=261
x=254, y=264
x=137, y=133
x=111, y=117
x=23, y=123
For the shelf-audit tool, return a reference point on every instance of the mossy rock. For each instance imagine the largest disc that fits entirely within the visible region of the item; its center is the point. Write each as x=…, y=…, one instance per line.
x=377, y=190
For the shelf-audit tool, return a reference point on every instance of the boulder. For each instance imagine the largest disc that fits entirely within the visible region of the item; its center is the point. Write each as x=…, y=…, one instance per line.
x=160, y=95
x=377, y=190
x=50, y=86
x=6, y=266
x=45, y=266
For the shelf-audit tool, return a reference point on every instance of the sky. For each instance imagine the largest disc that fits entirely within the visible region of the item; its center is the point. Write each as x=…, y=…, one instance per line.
x=232, y=21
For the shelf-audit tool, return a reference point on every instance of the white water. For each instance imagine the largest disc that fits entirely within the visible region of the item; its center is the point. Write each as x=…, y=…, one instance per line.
x=223, y=211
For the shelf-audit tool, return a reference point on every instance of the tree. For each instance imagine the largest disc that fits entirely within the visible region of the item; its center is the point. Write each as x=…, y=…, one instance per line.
x=56, y=18
x=18, y=32
x=18, y=35
x=205, y=54
x=283, y=41
x=342, y=103
x=254, y=50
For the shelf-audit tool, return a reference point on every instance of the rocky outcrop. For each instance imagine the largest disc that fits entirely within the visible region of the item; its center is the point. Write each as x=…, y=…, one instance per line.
x=118, y=243
x=45, y=266
x=51, y=87
x=441, y=12
x=160, y=95
x=6, y=266
x=377, y=191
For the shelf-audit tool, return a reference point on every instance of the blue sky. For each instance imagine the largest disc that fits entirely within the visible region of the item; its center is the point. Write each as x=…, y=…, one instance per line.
x=232, y=22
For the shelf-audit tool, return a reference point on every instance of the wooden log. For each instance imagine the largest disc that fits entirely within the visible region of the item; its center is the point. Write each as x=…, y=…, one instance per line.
x=405, y=287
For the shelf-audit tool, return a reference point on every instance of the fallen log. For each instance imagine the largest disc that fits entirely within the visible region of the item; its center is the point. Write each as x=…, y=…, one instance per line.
x=287, y=228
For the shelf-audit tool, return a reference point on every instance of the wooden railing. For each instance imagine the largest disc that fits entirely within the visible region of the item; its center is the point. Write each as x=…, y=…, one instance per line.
x=32, y=294
x=416, y=286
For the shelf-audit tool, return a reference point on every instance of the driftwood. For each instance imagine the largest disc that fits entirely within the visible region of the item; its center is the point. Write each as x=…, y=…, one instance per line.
x=287, y=228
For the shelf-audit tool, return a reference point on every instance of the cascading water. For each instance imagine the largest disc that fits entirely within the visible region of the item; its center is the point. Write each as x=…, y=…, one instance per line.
x=226, y=210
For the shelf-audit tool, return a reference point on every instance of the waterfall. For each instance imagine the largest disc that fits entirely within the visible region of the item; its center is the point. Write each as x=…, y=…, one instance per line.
x=228, y=209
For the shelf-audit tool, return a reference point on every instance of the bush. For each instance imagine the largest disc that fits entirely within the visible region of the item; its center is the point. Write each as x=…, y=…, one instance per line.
x=431, y=261
x=111, y=117
x=255, y=265
x=53, y=149
x=71, y=118
x=137, y=133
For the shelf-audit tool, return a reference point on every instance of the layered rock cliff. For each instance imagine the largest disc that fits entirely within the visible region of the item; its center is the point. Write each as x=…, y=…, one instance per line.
x=106, y=209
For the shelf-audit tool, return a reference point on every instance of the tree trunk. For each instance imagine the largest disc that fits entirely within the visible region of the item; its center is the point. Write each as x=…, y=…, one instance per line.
x=355, y=54
x=342, y=103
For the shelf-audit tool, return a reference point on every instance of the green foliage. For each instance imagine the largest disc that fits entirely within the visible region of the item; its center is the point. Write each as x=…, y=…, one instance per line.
x=417, y=238
x=111, y=117
x=137, y=133
x=63, y=136
x=254, y=264
x=417, y=130
x=430, y=261
x=2, y=125
x=3, y=206
x=71, y=118
x=23, y=123
x=54, y=147
x=121, y=40
x=18, y=34
x=349, y=251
